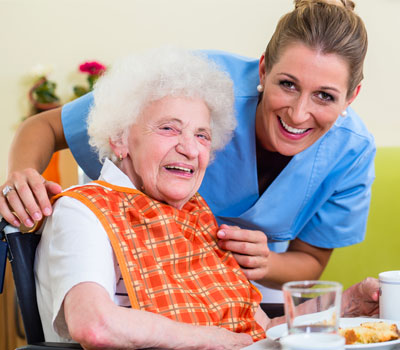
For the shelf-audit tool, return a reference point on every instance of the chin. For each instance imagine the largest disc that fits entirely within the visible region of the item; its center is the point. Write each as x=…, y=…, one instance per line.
x=291, y=150
x=178, y=201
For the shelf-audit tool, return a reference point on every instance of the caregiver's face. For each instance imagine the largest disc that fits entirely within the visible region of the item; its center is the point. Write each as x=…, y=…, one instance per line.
x=170, y=148
x=304, y=93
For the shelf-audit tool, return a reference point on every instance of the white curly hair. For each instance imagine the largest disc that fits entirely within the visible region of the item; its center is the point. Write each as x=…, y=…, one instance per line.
x=122, y=93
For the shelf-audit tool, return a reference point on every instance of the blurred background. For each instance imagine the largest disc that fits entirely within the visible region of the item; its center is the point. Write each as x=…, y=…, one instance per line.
x=59, y=35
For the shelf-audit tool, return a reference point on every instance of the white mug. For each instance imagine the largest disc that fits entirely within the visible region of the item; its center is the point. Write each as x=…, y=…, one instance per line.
x=313, y=341
x=389, y=295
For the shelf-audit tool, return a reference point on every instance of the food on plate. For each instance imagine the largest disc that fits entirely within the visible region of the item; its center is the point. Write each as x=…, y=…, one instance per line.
x=370, y=332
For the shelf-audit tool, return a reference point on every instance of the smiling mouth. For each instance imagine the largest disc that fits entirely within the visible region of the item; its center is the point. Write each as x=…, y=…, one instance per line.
x=292, y=130
x=179, y=169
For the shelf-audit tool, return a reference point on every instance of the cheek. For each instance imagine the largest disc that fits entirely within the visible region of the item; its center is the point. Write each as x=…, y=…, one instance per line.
x=155, y=149
x=204, y=160
x=275, y=100
x=327, y=117
x=148, y=163
x=153, y=160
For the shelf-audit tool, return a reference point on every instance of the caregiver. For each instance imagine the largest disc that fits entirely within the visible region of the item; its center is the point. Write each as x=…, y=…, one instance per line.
x=296, y=175
x=131, y=260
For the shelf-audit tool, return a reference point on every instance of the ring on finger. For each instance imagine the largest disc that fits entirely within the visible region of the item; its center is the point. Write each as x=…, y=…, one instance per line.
x=6, y=190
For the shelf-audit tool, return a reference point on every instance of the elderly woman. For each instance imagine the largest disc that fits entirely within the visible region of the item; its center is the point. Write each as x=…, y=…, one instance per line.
x=132, y=260
x=141, y=237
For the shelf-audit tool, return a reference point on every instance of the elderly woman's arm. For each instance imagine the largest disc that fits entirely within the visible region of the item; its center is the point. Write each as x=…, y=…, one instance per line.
x=36, y=140
x=97, y=323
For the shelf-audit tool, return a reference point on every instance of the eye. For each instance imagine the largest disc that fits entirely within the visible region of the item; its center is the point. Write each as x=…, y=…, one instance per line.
x=325, y=96
x=168, y=129
x=287, y=84
x=204, y=137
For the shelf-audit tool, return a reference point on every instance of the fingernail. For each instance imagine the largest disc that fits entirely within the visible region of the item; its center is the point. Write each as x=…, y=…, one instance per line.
x=221, y=234
x=28, y=223
x=16, y=223
x=37, y=216
x=47, y=211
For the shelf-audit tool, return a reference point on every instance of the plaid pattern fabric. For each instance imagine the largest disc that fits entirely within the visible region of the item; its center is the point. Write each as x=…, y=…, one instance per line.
x=170, y=260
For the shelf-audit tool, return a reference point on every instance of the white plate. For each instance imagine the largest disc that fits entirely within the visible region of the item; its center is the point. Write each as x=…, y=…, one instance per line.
x=281, y=330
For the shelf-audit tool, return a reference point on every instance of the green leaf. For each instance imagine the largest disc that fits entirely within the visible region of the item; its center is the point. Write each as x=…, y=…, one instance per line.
x=92, y=78
x=80, y=91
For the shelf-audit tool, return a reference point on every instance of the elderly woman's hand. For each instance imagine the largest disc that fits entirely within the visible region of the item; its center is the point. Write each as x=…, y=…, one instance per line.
x=361, y=299
x=249, y=248
x=27, y=195
x=221, y=338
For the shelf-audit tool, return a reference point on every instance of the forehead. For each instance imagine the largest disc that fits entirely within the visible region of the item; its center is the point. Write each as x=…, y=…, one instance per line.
x=178, y=109
x=313, y=65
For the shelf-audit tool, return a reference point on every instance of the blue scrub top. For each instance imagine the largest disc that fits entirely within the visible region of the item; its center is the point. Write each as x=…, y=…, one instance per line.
x=322, y=196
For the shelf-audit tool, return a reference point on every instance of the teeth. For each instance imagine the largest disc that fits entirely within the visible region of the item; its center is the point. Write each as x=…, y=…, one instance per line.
x=292, y=130
x=180, y=168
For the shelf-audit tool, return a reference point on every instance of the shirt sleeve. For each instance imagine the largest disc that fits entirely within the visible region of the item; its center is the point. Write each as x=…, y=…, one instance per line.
x=342, y=219
x=78, y=251
x=74, y=119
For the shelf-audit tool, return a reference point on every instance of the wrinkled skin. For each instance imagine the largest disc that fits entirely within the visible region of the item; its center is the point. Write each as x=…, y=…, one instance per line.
x=361, y=299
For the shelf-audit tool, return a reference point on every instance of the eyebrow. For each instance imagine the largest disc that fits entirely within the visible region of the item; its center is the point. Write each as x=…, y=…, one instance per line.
x=321, y=87
x=208, y=130
x=172, y=119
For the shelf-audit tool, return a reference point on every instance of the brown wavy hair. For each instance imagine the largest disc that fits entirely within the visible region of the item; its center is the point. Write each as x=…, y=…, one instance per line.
x=330, y=26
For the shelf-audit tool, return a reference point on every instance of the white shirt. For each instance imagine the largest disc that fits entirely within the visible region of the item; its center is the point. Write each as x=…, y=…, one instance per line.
x=75, y=248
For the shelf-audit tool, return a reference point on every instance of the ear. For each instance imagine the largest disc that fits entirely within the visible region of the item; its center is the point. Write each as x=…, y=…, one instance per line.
x=261, y=69
x=354, y=95
x=119, y=147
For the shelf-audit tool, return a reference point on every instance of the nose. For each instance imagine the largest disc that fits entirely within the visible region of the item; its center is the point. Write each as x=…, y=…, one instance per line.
x=187, y=146
x=300, y=110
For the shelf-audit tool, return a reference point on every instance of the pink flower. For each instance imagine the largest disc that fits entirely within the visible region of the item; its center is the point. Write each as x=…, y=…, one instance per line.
x=92, y=68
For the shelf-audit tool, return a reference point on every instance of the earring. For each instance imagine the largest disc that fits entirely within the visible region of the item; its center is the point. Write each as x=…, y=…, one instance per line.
x=260, y=88
x=344, y=113
x=120, y=157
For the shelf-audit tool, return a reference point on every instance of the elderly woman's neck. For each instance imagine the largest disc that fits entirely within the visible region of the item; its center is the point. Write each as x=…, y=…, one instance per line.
x=126, y=167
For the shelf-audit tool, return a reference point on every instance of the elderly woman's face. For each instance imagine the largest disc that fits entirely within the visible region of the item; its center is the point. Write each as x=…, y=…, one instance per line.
x=169, y=149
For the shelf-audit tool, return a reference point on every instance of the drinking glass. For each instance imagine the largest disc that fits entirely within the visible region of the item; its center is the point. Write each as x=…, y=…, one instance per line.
x=312, y=306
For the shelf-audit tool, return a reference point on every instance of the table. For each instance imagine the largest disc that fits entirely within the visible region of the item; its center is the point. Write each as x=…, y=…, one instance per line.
x=265, y=344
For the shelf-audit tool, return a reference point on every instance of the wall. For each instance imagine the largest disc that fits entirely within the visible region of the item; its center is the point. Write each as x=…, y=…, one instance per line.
x=380, y=249
x=64, y=33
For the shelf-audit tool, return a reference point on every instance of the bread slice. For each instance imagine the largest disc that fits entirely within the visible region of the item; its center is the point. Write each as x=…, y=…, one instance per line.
x=370, y=332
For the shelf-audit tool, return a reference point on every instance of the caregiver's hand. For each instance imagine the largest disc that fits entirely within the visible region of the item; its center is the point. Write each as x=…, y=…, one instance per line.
x=361, y=299
x=249, y=248
x=28, y=196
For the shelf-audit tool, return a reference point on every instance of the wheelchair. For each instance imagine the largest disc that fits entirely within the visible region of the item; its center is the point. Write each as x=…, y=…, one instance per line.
x=21, y=248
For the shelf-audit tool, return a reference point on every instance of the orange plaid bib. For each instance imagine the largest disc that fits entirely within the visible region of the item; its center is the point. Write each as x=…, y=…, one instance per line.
x=170, y=261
